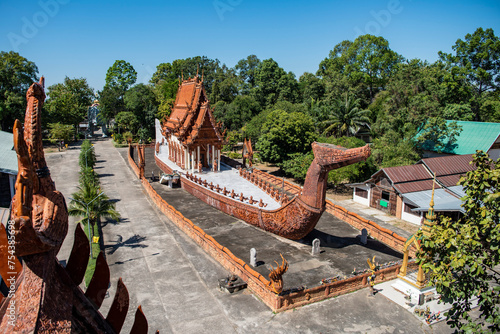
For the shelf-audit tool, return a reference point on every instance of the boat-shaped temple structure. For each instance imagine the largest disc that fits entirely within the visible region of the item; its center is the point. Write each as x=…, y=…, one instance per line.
x=189, y=143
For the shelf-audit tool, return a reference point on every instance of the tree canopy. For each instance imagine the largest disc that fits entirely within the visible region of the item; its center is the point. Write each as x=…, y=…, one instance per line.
x=284, y=134
x=16, y=75
x=68, y=102
x=462, y=256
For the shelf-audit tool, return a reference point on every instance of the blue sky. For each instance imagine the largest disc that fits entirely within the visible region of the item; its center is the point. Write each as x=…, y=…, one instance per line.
x=83, y=38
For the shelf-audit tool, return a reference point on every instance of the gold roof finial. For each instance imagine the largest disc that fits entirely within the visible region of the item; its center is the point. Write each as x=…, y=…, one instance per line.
x=430, y=217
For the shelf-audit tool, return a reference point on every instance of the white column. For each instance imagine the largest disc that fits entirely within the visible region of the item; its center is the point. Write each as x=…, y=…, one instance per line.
x=198, y=161
x=213, y=157
x=218, y=160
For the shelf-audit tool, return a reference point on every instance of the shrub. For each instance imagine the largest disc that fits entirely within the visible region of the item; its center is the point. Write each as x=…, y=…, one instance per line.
x=128, y=136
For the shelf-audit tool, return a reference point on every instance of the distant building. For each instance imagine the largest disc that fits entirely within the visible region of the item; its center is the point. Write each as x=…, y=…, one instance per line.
x=405, y=191
x=191, y=136
x=8, y=168
x=474, y=136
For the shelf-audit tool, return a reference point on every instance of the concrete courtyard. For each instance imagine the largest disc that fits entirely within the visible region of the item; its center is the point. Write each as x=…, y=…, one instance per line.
x=177, y=283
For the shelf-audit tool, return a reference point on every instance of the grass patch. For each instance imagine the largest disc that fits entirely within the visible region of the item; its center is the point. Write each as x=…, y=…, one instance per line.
x=96, y=249
x=115, y=144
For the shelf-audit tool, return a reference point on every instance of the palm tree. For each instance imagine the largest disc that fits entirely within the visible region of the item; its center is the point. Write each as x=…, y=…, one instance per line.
x=89, y=198
x=346, y=118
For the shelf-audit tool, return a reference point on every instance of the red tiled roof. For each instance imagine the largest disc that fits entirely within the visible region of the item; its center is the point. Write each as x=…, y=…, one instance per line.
x=192, y=115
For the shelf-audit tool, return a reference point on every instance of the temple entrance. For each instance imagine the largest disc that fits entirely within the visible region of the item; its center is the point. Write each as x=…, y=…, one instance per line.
x=203, y=160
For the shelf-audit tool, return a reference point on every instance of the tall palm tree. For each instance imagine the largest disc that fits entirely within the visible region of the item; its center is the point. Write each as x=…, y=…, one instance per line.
x=346, y=118
x=99, y=205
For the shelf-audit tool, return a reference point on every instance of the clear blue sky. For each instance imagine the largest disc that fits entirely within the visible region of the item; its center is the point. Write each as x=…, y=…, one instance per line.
x=83, y=38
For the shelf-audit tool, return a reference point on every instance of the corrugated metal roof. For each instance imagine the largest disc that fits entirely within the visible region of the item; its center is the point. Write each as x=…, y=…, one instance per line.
x=457, y=190
x=449, y=180
x=408, y=187
x=448, y=165
x=474, y=136
x=8, y=157
x=407, y=173
x=443, y=200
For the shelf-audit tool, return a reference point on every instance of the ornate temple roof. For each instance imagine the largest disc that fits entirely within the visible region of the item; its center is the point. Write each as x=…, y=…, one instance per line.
x=192, y=120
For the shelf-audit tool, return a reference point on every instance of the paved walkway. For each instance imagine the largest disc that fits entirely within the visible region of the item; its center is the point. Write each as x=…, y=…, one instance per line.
x=176, y=282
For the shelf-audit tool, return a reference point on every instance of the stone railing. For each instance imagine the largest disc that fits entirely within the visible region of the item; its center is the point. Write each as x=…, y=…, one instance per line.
x=268, y=187
x=216, y=188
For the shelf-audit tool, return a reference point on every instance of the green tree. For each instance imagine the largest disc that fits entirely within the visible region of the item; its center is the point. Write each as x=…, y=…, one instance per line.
x=346, y=118
x=16, y=75
x=477, y=61
x=186, y=68
x=246, y=70
x=99, y=206
x=127, y=121
x=253, y=129
x=273, y=84
x=284, y=134
x=68, y=102
x=165, y=92
x=141, y=101
x=111, y=103
x=121, y=75
x=462, y=256
x=393, y=149
x=60, y=132
x=87, y=157
x=311, y=88
x=225, y=85
x=367, y=61
x=458, y=112
x=439, y=134
x=237, y=113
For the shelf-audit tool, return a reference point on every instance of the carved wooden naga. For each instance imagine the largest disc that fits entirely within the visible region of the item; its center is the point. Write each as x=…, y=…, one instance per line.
x=299, y=217
x=47, y=298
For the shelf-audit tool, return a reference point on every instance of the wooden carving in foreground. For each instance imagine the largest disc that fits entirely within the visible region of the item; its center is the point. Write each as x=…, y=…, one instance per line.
x=44, y=297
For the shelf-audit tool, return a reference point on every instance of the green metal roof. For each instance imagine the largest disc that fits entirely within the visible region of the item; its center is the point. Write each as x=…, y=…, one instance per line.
x=474, y=136
x=8, y=156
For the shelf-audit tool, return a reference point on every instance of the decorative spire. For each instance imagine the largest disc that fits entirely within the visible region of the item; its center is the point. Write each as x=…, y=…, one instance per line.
x=430, y=217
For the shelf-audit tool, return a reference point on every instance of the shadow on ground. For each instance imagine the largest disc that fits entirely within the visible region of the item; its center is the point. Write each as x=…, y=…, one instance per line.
x=134, y=241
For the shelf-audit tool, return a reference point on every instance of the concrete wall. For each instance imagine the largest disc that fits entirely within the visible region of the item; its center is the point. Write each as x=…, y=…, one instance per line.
x=359, y=199
x=414, y=219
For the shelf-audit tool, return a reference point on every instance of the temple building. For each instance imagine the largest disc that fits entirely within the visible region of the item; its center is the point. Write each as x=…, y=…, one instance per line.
x=190, y=135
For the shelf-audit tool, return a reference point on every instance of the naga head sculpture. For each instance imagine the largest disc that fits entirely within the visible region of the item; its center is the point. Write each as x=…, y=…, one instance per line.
x=38, y=209
x=276, y=275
